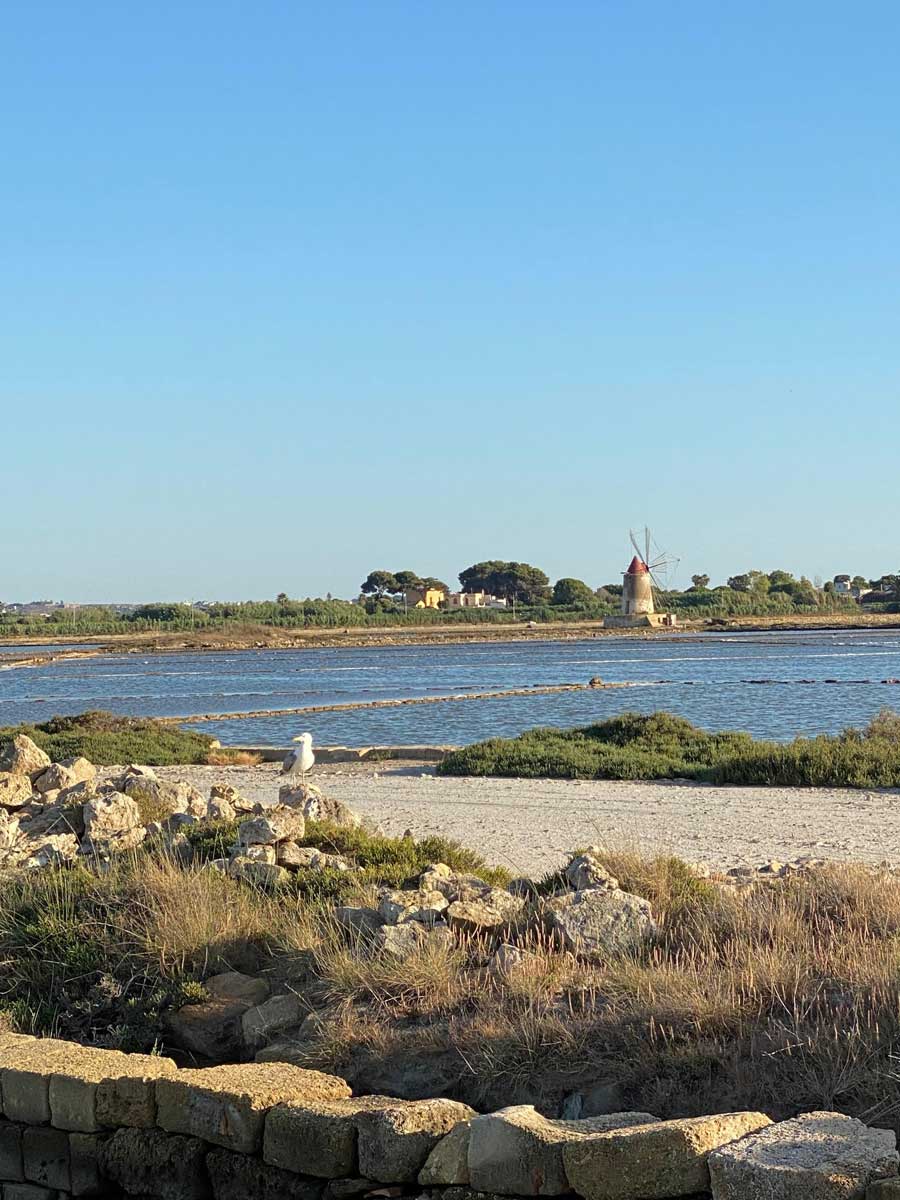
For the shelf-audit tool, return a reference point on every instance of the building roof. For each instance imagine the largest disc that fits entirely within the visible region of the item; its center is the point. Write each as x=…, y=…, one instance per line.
x=636, y=567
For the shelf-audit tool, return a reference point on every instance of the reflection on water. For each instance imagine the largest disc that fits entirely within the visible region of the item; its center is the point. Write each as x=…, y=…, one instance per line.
x=774, y=685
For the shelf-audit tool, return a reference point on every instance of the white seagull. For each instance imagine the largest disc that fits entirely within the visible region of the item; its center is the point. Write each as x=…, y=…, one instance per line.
x=301, y=760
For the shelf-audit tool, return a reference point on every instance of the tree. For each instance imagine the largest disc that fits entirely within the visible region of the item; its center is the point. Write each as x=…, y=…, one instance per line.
x=571, y=591
x=281, y=598
x=740, y=583
x=858, y=582
x=700, y=582
x=405, y=581
x=779, y=579
x=437, y=585
x=380, y=583
x=515, y=581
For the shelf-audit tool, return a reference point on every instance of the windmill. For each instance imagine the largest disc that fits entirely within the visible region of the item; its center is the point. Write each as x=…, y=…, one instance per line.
x=640, y=579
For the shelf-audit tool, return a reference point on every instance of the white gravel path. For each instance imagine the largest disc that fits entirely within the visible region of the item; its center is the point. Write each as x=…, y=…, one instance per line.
x=530, y=824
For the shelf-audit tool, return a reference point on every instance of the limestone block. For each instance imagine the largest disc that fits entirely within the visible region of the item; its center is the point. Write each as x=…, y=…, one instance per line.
x=884, y=1189
x=128, y=1098
x=227, y=1105
x=105, y=1087
x=448, y=1163
x=318, y=1138
x=660, y=1160
x=817, y=1156
x=395, y=1141
x=45, y=1158
x=237, y=1177
x=260, y=1023
x=84, y=1164
x=15, y=790
x=518, y=1152
x=28, y=1191
x=25, y=1071
x=145, y=1162
x=234, y=985
x=11, y=1152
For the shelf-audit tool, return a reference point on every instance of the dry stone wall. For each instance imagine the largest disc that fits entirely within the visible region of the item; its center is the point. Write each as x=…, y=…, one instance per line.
x=78, y=1121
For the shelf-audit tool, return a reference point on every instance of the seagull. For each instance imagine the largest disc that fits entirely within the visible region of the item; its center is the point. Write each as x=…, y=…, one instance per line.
x=299, y=761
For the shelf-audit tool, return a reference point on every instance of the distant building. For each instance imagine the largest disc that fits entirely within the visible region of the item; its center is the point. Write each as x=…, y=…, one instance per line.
x=475, y=600
x=842, y=585
x=637, y=600
x=425, y=597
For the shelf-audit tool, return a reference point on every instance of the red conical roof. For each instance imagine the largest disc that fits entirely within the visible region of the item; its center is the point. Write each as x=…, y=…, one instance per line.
x=636, y=567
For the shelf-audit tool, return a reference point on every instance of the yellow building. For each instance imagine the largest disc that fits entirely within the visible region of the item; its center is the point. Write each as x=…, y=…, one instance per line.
x=425, y=597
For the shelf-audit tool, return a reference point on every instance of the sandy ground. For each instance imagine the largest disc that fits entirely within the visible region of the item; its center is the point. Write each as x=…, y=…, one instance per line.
x=529, y=825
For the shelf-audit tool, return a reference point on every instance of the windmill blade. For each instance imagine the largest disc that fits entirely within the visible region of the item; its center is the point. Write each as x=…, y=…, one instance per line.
x=647, y=544
x=636, y=546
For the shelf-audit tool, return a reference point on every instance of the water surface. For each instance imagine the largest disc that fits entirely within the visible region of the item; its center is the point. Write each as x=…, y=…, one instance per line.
x=774, y=685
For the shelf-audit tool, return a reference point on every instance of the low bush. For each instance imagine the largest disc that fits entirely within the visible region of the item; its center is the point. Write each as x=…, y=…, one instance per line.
x=107, y=739
x=664, y=746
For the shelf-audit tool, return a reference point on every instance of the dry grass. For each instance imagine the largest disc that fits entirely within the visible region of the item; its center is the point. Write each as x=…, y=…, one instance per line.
x=223, y=757
x=782, y=998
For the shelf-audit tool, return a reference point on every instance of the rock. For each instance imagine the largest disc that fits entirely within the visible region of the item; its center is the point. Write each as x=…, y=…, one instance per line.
x=237, y=1177
x=260, y=874
x=817, y=1156
x=211, y=1029
x=137, y=769
x=358, y=920
x=51, y=851
x=318, y=1138
x=65, y=775
x=227, y=1105
x=112, y=823
x=597, y=1101
x=317, y=807
x=448, y=1163
x=586, y=871
x=597, y=923
x=289, y=854
x=666, y=1158
x=164, y=799
x=394, y=1142
x=277, y=825
x=273, y=1016
x=400, y=941
x=15, y=789
x=507, y=959
x=493, y=909
x=22, y=756
x=9, y=833
x=257, y=854
x=220, y=809
x=518, y=1152
x=234, y=985
x=396, y=907
x=145, y=1162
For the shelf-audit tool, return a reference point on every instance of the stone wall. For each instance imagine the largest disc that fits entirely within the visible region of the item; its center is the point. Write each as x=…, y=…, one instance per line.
x=86, y=1122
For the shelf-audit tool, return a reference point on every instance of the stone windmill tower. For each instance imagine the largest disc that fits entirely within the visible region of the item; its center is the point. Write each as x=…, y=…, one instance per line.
x=638, y=585
x=637, y=589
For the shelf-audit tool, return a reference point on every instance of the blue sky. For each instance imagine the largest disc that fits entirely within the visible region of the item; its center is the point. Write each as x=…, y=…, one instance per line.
x=292, y=291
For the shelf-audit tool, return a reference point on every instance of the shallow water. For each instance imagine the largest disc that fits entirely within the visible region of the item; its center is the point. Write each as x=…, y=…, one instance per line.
x=774, y=685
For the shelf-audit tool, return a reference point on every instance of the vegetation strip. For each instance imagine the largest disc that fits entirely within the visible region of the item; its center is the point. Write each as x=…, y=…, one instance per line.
x=539, y=690
x=664, y=746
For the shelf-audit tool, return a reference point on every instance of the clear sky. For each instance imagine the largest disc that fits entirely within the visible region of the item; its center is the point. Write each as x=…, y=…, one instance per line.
x=294, y=290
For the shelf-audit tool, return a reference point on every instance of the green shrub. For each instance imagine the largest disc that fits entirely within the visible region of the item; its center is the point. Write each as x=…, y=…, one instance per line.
x=107, y=739
x=664, y=746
